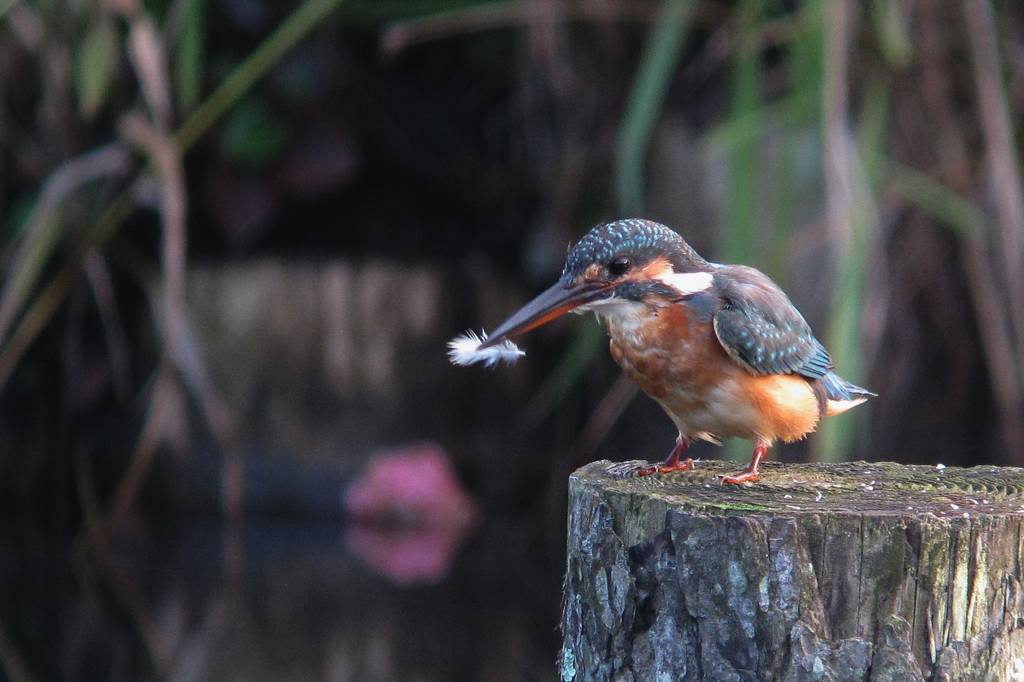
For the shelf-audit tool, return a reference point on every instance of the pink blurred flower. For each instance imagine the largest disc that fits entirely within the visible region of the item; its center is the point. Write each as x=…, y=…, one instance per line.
x=409, y=513
x=407, y=556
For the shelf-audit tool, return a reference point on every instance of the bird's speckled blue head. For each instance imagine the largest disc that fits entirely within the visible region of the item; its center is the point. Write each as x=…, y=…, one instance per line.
x=607, y=265
x=634, y=240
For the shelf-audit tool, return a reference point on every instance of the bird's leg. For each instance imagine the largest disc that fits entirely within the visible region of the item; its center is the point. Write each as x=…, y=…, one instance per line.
x=671, y=462
x=751, y=473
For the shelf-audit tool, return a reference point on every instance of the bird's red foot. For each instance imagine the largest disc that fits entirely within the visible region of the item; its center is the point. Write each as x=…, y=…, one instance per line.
x=685, y=465
x=751, y=473
x=672, y=462
x=744, y=476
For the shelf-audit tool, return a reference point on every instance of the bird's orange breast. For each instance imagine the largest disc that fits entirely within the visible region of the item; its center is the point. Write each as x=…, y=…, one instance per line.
x=676, y=359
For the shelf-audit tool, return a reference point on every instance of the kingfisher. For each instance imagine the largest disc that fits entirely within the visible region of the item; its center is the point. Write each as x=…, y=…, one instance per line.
x=720, y=348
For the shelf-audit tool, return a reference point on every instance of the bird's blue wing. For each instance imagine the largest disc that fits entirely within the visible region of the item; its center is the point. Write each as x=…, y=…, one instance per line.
x=762, y=330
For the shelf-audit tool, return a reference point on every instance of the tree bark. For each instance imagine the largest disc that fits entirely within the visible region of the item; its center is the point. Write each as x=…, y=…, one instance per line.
x=850, y=571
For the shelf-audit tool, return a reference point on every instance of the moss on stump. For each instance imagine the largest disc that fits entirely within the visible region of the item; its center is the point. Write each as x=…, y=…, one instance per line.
x=853, y=571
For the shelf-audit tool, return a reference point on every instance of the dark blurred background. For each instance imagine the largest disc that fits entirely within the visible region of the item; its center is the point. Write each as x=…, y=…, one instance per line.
x=235, y=236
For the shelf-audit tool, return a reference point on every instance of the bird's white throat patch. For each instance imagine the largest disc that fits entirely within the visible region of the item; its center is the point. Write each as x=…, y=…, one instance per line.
x=611, y=307
x=686, y=282
x=619, y=315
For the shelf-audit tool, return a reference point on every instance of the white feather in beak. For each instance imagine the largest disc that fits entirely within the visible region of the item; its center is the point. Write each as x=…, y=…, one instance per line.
x=464, y=350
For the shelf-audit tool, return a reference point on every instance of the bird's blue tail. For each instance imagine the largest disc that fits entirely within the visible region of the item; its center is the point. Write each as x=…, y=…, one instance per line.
x=840, y=394
x=838, y=388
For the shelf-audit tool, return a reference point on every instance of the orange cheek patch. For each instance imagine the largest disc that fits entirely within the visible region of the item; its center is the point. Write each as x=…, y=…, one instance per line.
x=656, y=268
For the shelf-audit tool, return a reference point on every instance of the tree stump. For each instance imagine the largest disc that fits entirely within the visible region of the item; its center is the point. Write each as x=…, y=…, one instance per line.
x=854, y=571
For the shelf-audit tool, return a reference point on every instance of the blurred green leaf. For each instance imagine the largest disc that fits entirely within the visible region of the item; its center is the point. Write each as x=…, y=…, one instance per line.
x=742, y=182
x=302, y=20
x=832, y=443
x=746, y=128
x=377, y=11
x=785, y=199
x=188, y=66
x=806, y=54
x=891, y=31
x=252, y=134
x=5, y=6
x=16, y=220
x=871, y=133
x=94, y=65
x=936, y=199
x=649, y=87
x=844, y=325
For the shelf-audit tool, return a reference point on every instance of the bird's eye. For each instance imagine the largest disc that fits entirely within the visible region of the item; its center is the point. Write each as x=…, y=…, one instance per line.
x=619, y=266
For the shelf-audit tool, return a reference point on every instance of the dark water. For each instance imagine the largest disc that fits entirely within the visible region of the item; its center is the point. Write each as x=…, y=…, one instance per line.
x=276, y=601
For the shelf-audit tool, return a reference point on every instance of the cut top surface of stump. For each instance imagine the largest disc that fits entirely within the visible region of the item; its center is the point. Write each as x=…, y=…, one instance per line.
x=878, y=488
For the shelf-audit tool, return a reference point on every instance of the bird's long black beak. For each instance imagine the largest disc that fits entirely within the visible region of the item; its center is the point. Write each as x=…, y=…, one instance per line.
x=549, y=305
